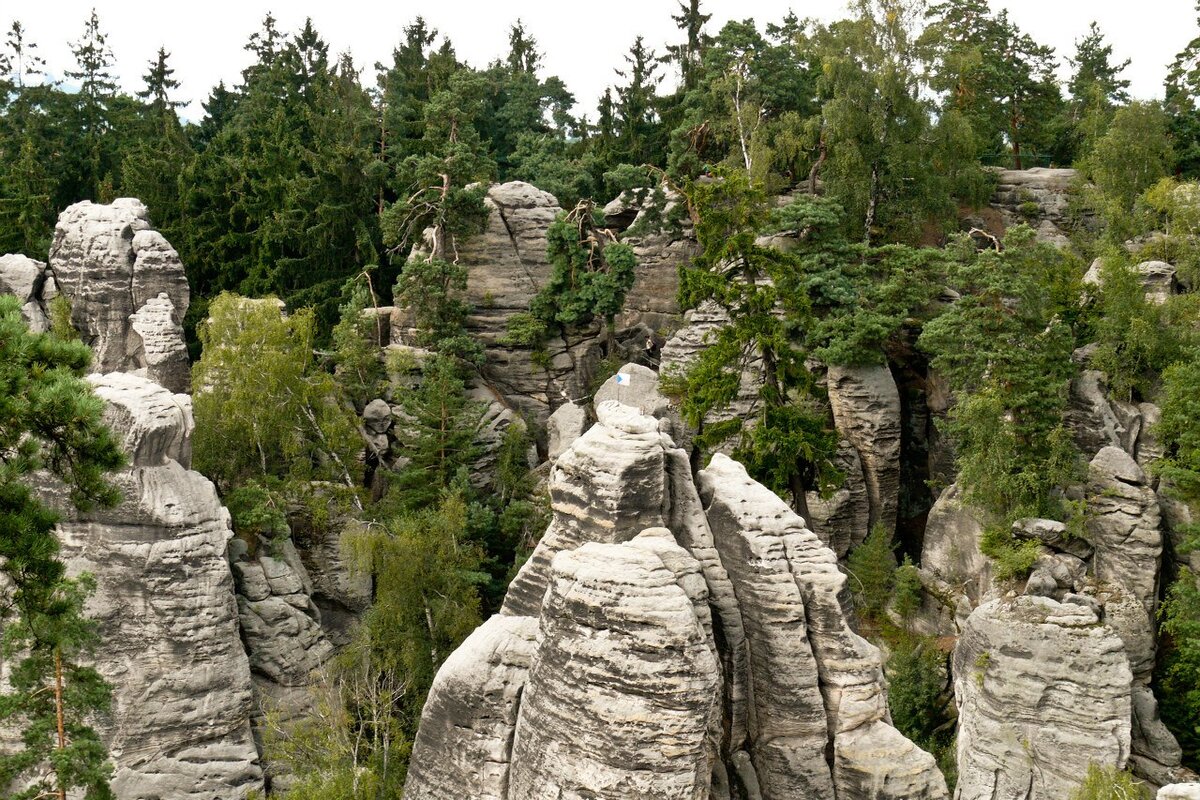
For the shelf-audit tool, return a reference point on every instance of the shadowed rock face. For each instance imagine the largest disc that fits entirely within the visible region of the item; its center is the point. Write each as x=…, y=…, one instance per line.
x=665, y=642
x=169, y=643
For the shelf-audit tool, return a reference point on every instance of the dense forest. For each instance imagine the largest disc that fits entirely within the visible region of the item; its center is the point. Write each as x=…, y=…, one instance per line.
x=335, y=190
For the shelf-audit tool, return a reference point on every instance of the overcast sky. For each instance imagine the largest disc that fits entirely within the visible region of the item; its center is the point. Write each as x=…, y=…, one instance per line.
x=205, y=38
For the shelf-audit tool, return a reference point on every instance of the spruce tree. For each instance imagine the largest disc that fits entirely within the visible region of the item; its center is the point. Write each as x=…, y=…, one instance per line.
x=97, y=88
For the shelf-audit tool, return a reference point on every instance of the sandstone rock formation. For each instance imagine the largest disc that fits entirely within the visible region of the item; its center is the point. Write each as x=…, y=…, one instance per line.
x=1043, y=691
x=866, y=408
x=169, y=642
x=113, y=267
x=169, y=635
x=1038, y=196
x=658, y=644
x=507, y=266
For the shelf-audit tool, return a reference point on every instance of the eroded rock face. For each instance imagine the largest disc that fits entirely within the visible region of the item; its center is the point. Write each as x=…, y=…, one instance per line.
x=866, y=408
x=623, y=643
x=1037, y=196
x=169, y=642
x=1123, y=524
x=814, y=682
x=1043, y=691
x=127, y=289
x=666, y=642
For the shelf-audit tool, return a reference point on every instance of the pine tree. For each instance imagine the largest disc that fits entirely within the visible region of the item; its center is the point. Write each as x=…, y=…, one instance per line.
x=159, y=85
x=25, y=204
x=21, y=62
x=788, y=445
x=50, y=421
x=1182, y=102
x=688, y=55
x=438, y=436
x=635, y=118
x=1096, y=89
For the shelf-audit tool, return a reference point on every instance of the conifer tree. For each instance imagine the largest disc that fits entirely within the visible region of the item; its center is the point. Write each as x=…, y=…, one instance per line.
x=1182, y=102
x=50, y=421
x=97, y=87
x=788, y=445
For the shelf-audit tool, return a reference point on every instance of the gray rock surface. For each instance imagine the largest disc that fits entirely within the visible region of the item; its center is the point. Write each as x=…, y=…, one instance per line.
x=843, y=519
x=607, y=487
x=281, y=625
x=1179, y=791
x=1123, y=525
x=1039, y=197
x=866, y=408
x=684, y=648
x=566, y=424
x=110, y=265
x=814, y=682
x=951, y=550
x=1043, y=691
x=169, y=642
x=623, y=643
x=467, y=725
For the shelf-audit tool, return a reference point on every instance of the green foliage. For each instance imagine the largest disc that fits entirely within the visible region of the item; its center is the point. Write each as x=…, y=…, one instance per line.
x=433, y=291
x=917, y=692
x=1179, y=431
x=1011, y=558
x=49, y=420
x=1177, y=677
x=427, y=575
x=1137, y=338
x=304, y=433
x=1130, y=158
x=877, y=128
x=1005, y=350
x=872, y=569
x=356, y=338
x=258, y=510
x=1110, y=783
x=437, y=436
x=997, y=77
x=590, y=275
x=907, y=590
x=789, y=445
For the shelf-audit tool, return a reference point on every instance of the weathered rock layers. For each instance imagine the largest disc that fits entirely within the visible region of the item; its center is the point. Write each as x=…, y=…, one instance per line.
x=127, y=290
x=665, y=640
x=1043, y=692
x=168, y=621
x=169, y=643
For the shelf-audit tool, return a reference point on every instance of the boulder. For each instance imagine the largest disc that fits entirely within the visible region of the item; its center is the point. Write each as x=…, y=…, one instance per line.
x=950, y=552
x=566, y=424
x=1043, y=692
x=1179, y=791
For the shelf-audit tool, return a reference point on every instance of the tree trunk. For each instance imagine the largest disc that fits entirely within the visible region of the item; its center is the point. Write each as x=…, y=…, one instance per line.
x=59, y=714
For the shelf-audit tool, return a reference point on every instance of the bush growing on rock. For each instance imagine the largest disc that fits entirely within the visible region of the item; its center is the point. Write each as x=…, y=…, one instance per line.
x=1109, y=783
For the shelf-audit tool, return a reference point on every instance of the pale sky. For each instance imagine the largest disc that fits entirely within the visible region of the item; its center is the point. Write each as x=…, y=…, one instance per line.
x=205, y=38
